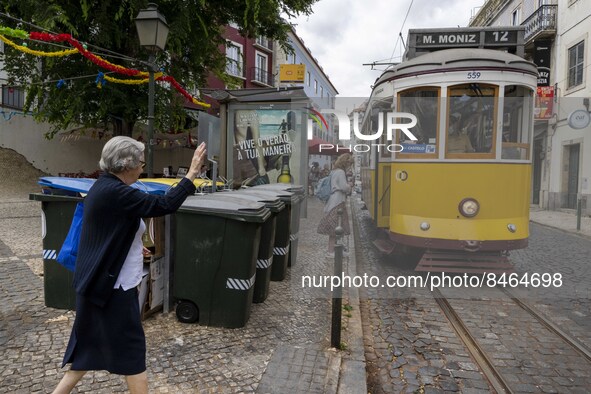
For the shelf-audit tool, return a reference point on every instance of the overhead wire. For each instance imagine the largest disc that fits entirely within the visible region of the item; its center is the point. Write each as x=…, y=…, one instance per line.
x=397, y=40
x=401, y=29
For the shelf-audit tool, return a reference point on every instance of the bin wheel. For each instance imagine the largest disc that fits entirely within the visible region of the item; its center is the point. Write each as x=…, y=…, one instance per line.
x=187, y=312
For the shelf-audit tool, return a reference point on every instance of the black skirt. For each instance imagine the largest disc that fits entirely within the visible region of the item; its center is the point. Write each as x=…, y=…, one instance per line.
x=110, y=338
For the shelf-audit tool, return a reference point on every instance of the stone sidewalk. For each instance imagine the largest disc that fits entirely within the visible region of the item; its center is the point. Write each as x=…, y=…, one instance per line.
x=284, y=347
x=562, y=220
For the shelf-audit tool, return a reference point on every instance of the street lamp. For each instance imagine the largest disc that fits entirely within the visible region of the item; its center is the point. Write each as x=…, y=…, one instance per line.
x=152, y=30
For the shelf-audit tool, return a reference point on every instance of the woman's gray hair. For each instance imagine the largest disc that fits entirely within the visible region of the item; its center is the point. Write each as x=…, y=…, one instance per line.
x=120, y=154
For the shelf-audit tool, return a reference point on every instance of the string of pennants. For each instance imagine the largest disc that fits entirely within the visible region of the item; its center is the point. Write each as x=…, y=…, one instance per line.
x=79, y=48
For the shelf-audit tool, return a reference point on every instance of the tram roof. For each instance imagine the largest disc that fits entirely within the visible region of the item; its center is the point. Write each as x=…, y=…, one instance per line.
x=458, y=59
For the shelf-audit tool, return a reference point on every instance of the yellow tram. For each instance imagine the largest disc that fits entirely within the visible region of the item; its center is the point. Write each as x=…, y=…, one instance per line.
x=457, y=196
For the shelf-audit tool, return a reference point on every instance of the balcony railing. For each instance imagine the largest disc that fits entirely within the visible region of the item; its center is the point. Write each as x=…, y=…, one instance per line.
x=543, y=19
x=264, y=42
x=234, y=68
x=261, y=76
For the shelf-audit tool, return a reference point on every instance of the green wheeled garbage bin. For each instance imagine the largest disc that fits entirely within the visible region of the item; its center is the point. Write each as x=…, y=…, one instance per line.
x=294, y=195
x=57, y=212
x=216, y=245
x=282, y=232
x=267, y=245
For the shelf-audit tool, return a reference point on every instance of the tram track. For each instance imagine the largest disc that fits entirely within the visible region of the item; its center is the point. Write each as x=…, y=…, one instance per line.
x=550, y=325
x=480, y=355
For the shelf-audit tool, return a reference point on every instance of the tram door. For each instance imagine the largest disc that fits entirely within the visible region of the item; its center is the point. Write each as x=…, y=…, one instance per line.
x=573, y=176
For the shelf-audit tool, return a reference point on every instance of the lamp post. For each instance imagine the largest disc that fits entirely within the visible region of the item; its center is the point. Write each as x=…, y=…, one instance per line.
x=152, y=31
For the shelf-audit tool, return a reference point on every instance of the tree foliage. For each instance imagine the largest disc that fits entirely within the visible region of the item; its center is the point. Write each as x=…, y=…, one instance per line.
x=194, y=48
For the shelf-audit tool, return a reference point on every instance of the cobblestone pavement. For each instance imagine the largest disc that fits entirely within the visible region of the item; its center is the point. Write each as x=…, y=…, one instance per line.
x=410, y=346
x=529, y=357
x=285, y=344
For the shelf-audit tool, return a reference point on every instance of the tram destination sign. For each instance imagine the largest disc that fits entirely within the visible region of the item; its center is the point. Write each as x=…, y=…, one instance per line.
x=468, y=39
x=421, y=40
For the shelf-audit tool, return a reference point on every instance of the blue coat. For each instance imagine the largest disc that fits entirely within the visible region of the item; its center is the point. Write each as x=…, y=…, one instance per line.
x=112, y=211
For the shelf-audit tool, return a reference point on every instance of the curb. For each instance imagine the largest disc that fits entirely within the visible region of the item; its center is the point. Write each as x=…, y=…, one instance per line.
x=566, y=231
x=353, y=379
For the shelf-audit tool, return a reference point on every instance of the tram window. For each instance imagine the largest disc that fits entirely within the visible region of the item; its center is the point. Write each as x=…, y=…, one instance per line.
x=424, y=104
x=471, y=119
x=517, y=124
x=378, y=109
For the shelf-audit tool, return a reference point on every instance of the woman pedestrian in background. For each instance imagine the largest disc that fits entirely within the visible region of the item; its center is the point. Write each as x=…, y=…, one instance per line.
x=340, y=189
x=107, y=332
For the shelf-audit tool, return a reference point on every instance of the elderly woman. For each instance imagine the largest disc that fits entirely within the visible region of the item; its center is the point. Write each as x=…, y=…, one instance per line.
x=107, y=332
x=340, y=189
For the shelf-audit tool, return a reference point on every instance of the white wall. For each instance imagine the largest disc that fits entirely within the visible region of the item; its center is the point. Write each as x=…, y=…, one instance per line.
x=25, y=136
x=574, y=23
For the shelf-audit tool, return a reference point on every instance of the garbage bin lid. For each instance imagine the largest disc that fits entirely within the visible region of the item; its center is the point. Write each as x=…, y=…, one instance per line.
x=298, y=189
x=83, y=185
x=79, y=185
x=53, y=197
x=198, y=182
x=287, y=192
x=272, y=202
x=228, y=207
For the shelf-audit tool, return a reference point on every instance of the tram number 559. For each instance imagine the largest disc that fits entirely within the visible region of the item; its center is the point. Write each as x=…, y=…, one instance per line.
x=473, y=75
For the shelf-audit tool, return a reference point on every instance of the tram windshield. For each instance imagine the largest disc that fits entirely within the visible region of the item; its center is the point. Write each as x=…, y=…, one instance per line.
x=471, y=120
x=517, y=123
x=424, y=104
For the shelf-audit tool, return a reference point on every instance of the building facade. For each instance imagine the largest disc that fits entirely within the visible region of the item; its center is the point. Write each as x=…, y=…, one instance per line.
x=557, y=40
x=316, y=84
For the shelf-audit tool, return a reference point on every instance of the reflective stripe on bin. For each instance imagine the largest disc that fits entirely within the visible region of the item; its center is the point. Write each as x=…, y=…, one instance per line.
x=281, y=251
x=240, y=284
x=264, y=263
x=49, y=254
x=293, y=237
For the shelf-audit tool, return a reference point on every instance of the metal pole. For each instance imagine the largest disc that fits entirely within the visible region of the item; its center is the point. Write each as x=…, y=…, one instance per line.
x=214, y=175
x=150, y=158
x=579, y=209
x=337, y=295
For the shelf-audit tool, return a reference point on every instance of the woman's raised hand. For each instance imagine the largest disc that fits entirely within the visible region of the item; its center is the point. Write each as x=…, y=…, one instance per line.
x=197, y=162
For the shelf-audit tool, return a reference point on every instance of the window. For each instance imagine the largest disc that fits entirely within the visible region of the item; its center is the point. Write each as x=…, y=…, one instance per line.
x=471, y=120
x=309, y=79
x=263, y=42
x=517, y=108
x=576, y=55
x=315, y=86
x=424, y=104
x=321, y=92
x=261, y=73
x=376, y=123
x=13, y=97
x=516, y=17
x=234, y=59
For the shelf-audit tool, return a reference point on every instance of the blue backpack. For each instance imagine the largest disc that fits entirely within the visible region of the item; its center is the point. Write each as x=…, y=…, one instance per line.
x=324, y=188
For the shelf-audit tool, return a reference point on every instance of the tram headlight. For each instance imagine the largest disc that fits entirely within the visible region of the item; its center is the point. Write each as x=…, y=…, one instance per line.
x=511, y=227
x=469, y=207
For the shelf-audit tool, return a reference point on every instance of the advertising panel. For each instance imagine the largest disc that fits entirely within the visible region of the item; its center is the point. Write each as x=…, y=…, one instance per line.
x=544, y=100
x=267, y=146
x=294, y=73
